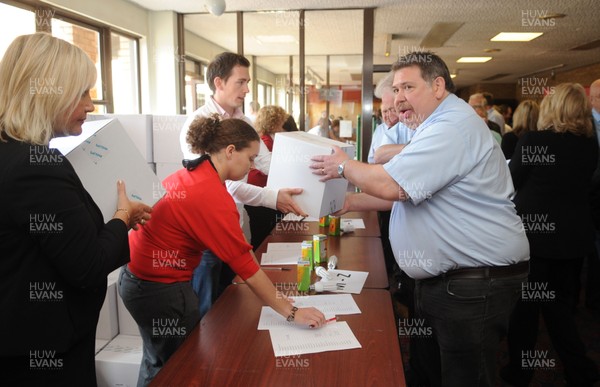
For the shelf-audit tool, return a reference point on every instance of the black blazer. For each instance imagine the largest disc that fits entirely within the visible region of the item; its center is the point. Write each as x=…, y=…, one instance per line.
x=552, y=176
x=508, y=144
x=55, y=251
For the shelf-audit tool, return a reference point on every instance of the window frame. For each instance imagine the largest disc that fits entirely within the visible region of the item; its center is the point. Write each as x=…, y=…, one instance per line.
x=43, y=23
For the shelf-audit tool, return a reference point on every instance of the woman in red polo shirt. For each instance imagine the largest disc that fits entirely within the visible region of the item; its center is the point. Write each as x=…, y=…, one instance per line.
x=195, y=213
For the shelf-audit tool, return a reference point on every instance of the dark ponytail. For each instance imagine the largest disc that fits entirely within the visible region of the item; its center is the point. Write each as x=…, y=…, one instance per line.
x=210, y=134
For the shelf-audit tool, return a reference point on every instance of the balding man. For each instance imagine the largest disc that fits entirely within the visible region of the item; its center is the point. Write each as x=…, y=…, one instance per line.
x=453, y=227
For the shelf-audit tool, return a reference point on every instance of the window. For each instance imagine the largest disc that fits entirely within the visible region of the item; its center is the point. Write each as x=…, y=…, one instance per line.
x=117, y=88
x=89, y=41
x=125, y=78
x=14, y=22
x=196, y=89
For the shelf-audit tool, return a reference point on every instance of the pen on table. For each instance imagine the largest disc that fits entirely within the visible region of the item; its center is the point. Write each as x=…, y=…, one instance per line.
x=326, y=321
x=275, y=268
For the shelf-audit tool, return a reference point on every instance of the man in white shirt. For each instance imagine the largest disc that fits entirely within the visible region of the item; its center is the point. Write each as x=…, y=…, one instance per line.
x=390, y=118
x=228, y=77
x=492, y=114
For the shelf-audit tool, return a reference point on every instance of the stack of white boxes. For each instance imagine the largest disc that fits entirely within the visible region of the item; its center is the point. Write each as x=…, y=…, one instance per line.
x=167, y=148
x=118, y=361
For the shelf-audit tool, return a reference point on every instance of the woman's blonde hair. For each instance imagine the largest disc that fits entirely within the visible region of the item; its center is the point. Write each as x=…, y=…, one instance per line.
x=525, y=117
x=567, y=109
x=42, y=78
x=269, y=119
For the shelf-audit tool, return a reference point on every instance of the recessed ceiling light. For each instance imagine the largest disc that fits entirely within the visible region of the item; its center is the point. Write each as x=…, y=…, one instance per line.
x=515, y=36
x=474, y=59
x=552, y=16
x=452, y=76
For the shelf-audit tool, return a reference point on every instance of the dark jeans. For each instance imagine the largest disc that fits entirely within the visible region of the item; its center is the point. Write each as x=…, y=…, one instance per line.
x=209, y=280
x=558, y=279
x=468, y=318
x=205, y=281
x=165, y=315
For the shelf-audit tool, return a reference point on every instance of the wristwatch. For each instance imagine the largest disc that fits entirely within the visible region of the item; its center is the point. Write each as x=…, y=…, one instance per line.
x=341, y=169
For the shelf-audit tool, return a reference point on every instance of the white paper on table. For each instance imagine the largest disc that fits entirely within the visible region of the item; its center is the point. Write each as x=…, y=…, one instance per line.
x=281, y=254
x=356, y=223
x=284, y=246
x=278, y=258
x=329, y=305
x=295, y=218
x=345, y=281
x=331, y=337
x=269, y=319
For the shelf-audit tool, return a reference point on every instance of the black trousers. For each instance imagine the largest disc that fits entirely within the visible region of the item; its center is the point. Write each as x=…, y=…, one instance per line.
x=262, y=221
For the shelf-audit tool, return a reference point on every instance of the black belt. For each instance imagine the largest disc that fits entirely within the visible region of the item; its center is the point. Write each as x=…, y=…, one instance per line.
x=488, y=271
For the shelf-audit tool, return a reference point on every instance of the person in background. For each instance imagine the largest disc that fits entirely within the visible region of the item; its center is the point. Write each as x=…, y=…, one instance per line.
x=524, y=120
x=56, y=249
x=270, y=120
x=388, y=111
x=254, y=108
x=592, y=286
x=390, y=118
x=555, y=162
x=492, y=114
x=455, y=214
x=195, y=214
x=478, y=103
x=290, y=124
x=228, y=77
x=322, y=127
x=334, y=130
x=506, y=111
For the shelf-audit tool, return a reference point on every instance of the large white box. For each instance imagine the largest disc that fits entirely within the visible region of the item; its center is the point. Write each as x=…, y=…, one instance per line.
x=166, y=130
x=108, y=322
x=290, y=160
x=118, y=364
x=163, y=170
x=137, y=126
x=102, y=154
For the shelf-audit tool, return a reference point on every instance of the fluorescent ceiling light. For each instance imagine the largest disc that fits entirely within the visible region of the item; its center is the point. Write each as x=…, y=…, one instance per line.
x=452, y=76
x=474, y=59
x=275, y=39
x=515, y=36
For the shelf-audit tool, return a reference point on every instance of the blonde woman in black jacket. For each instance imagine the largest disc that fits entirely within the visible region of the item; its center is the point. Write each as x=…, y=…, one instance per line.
x=552, y=170
x=55, y=249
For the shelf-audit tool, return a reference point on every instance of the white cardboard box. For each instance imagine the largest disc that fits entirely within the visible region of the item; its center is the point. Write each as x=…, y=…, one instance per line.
x=108, y=322
x=166, y=130
x=118, y=364
x=165, y=169
x=138, y=128
x=102, y=154
x=290, y=162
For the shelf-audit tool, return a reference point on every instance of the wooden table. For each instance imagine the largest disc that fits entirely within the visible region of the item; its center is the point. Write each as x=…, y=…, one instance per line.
x=226, y=349
x=310, y=228
x=354, y=253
